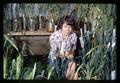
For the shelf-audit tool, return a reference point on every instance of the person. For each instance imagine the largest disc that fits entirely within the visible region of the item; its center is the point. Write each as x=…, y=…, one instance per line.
x=63, y=45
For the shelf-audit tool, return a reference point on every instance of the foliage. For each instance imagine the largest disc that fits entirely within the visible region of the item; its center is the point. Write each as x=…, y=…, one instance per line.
x=98, y=56
x=15, y=69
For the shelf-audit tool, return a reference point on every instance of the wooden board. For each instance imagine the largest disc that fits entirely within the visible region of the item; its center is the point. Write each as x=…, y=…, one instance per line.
x=38, y=32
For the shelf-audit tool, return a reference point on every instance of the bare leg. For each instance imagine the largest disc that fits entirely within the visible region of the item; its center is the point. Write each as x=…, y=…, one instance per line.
x=76, y=77
x=71, y=70
x=70, y=73
x=68, y=70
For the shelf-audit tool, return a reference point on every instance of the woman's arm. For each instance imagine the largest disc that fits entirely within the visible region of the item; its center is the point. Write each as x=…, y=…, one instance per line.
x=72, y=47
x=53, y=47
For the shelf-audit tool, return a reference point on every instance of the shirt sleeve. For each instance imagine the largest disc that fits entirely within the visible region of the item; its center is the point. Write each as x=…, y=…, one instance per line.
x=53, y=47
x=70, y=44
x=73, y=41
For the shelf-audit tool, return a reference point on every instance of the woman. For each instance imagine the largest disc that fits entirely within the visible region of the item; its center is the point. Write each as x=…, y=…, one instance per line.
x=63, y=44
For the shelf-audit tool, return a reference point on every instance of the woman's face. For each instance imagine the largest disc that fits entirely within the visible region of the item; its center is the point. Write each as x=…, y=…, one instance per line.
x=66, y=29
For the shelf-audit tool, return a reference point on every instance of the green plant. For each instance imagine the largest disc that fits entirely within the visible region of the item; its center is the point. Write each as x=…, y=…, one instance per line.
x=14, y=70
x=30, y=73
x=8, y=44
x=50, y=70
x=98, y=57
x=97, y=60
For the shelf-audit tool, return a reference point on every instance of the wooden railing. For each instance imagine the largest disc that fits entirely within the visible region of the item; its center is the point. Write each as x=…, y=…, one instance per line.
x=31, y=33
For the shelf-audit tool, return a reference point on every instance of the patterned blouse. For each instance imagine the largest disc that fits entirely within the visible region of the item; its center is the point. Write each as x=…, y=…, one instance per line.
x=58, y=43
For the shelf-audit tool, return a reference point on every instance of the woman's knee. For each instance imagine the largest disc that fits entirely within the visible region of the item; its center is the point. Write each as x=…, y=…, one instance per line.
x=72, y=64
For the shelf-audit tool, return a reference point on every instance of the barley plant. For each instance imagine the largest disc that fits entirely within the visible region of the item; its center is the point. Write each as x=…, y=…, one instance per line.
x=96, y=59
x=13, y=67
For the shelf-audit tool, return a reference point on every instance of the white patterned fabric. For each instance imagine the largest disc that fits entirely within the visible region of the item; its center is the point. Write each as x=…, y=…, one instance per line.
x=56, y=40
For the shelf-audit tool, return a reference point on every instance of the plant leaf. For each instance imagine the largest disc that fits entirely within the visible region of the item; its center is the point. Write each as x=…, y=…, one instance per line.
x=50, y=72
x=11, y=42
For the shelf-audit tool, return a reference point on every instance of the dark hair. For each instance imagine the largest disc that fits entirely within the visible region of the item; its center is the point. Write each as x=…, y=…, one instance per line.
x=68, y=19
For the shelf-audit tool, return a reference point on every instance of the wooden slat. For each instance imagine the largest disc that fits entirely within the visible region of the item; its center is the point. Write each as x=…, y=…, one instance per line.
x=34, y=33
x=27, y=33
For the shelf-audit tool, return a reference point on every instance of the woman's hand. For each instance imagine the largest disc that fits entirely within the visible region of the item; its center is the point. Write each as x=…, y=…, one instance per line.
x=62, y=56
x=69, y=55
